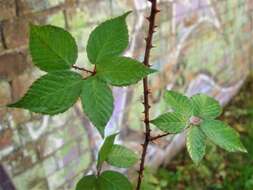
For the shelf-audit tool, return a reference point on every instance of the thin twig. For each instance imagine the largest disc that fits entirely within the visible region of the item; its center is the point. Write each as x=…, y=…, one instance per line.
x=159, y=136
x=146, y=92
x=82, y=69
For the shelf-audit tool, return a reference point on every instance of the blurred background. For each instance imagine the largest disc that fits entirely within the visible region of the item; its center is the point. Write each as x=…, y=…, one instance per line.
x=201, y=46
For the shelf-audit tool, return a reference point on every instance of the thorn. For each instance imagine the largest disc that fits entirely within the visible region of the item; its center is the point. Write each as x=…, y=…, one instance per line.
x=155, y=26
x=148, y=18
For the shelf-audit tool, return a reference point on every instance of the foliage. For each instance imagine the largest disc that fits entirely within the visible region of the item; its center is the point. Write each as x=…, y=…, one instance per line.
x=197, y=114
x=108, y=180
x=54, y=51
x=220, y=170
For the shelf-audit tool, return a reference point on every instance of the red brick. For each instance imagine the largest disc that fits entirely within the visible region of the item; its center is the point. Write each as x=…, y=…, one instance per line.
x=20, y=116
x=1, y=42
x=5, y=138
x=70, y=2
x=8, y=9
x=11, y=65
x=32, y=6
x=21, y=83
x=15, y=32
x=27, y=6
x=5, y=97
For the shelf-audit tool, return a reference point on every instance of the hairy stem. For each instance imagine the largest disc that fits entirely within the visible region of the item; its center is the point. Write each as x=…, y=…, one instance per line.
x=146, y=92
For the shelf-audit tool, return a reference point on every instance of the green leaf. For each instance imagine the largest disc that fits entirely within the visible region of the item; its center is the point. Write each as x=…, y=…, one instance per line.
x=109, y=39
x=121, y=157
x=53, y=93
x=222, y=135
x=205, y=106
x=172, y=122
x=97, y=102
x=179, y=102
x=122, y=71
x=106, y=149
x=87, y=183
x=52, y=48
x=111, y=180
x=196, y=144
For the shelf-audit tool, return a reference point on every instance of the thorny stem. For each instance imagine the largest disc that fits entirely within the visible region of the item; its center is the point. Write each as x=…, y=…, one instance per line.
x=83, y=69
x=149, y=46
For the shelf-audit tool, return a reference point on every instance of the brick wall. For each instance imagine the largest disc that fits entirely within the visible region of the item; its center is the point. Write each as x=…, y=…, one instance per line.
x=202, y=46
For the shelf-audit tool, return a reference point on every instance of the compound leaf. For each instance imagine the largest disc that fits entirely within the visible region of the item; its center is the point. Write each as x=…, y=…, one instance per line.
x=52, y=48
x=179, y=102
x=121, y=157
x=97, y=102
x=111, y=180
x=222, y=135
x=122, y=71
x=195, y=143
x=172, y=122
x=106, y=148
x=53, y=93
x=109, y=39
x=87, y=183
x=205, y=106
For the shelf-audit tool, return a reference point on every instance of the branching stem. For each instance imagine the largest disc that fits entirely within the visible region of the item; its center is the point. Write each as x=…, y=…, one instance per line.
x=159, y=136
x=149, y=46
x=82, y=69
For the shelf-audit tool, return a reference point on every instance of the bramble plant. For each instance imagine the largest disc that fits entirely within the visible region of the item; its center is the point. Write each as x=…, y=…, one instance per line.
x=54, y=51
